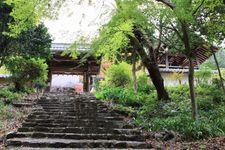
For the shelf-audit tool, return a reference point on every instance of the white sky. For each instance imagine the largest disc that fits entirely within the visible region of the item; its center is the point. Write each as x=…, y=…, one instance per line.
x=78, y=20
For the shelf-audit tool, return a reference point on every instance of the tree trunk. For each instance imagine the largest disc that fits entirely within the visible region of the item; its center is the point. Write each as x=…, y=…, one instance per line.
x=158, y=81
x=191, y=88
x=134, y=72
x=152, y=68
x=186, y=40
x=219, y=71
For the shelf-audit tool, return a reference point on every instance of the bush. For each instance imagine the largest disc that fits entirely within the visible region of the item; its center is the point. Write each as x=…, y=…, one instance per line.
x=27, y=72
x=119, y=75
x=203, y=76
x=7, y=96
x=118, y=95
x=174, y=115
x=144, y=85
x=184, y=125
x=11, y=115
x=179, y=93
x=209, y=97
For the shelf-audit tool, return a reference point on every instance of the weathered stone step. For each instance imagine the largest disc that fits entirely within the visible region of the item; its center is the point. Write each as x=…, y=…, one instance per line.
x=76, y=121
x=68, y=119
x=62, y=143
x=81, y=102
x=70, y=110
x=32, y=148
x=121, y=137
x=41, y=112
x=84, y=130
x=76, y=116
x=71, y=121
x=80, y=124
x=99, y=113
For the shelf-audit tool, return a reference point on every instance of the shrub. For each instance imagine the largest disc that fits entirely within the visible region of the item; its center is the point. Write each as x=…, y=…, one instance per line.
x=144, y=84
x=203, y=76
x=179, y=93
x=174, y=115
x=8, y=112
x=119, y=75
x=186, y=126
x=208, y=97
x=27, y=72
x=8, y=96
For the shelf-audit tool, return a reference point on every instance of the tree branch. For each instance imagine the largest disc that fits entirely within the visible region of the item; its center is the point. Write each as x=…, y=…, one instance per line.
x=168, y=3
x=195, y=11
x=160, y=35
x=176, y=31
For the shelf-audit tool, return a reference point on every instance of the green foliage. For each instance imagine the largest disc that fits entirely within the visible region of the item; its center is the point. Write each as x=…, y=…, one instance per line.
x=7, y=96
x=118, y=95
x=128, y=111
x=27, y=14
x=209, y=97
x=185, y=125
x=144, y=85
x=203, y=75
x=3, y=70
x=118, y=75
x=210, y=63
x=9, y=114
x=113, y=41
x=174, y=115
x=27, y=72
x=34, y=42
x=72, y=51
x=179, y=92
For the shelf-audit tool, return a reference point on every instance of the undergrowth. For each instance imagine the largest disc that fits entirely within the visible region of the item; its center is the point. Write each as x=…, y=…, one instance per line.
x=174, y=115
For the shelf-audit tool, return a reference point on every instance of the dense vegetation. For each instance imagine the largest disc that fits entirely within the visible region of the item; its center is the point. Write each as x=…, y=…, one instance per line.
x=140, y=31
x=150, y=29
x=174, y=115
x=23, y=56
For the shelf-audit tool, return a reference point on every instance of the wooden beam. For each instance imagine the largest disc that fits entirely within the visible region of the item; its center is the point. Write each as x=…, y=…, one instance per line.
x=86, y=82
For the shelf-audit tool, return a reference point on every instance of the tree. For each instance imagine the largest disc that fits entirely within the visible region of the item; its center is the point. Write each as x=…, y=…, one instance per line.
x=183, y=17
x=126, y=33
x=5, y=18
x=210, y=63
x=27, y=14
x=27, y=72
x=34, y=42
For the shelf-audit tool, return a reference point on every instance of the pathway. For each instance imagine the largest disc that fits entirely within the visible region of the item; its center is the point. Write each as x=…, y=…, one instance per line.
x=69, y=121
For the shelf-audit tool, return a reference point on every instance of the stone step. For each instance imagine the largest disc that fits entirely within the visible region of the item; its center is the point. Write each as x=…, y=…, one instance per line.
x=81, y=102
x=32, y=148
x=66, y=143
x=84, y=130
x=100, y=112
x=85, y=121
x=70, y=117
x=68, y=121
x=79, y=124
x=121, y=137
x=75, y=119
x=72, y=112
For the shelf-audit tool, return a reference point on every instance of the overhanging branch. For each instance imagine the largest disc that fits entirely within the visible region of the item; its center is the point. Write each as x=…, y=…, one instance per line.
x=167, y=2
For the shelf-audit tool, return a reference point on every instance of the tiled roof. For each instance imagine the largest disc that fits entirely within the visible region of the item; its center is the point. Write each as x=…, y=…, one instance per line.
x=64, y=46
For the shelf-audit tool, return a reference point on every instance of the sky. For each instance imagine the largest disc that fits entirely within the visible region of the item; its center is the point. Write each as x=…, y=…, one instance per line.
x=79, y=19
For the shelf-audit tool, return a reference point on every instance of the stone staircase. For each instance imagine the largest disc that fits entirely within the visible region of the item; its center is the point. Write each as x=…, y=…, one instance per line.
x=68, y=121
